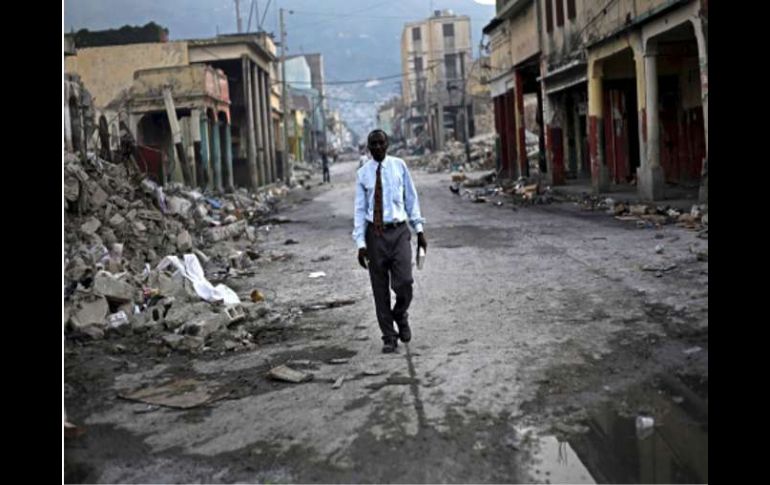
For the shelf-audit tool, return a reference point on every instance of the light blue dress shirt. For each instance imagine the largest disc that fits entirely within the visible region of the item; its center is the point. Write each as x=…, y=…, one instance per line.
x=399, y=197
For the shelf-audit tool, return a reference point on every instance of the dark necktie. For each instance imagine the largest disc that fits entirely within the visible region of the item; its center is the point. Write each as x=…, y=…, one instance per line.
x=378, y=202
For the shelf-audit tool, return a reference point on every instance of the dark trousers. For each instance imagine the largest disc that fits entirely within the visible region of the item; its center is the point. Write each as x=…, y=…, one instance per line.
x=390, y=266
x=327, y=177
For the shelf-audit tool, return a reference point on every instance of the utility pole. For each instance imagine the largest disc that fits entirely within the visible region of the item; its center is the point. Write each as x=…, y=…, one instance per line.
x=284, y=99
x=466, y=127
x=238, y=15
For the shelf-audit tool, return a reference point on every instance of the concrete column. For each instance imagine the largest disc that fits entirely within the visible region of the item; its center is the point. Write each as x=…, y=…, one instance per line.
x=249, y=107
x=265, y=113
x=547, y=120
x=521, y=137
x=257, y=106
x=700, y=37
x=230, y=184
x=578, y=139
x=216, y=152
x=650, y=177
x=600, y=178
x=204, y=170
x=67, y=121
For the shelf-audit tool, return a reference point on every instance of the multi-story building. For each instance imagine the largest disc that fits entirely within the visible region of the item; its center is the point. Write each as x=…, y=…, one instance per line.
x=436, y=56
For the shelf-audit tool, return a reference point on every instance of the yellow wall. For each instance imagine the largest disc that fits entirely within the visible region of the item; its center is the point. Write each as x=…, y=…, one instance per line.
x=108, y=71
x=524, y=34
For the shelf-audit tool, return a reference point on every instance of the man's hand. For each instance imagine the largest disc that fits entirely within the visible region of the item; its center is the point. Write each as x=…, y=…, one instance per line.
x=421, y=242
x=363, y=258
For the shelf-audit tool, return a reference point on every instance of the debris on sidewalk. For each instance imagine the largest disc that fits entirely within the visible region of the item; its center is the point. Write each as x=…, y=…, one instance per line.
x=316, y=274
x=338, y=383
x=179, y=394
x=287, y=374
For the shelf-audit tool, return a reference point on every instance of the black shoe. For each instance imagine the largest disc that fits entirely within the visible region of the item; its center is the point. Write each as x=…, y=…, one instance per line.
x=404, y=332
x=390, y=346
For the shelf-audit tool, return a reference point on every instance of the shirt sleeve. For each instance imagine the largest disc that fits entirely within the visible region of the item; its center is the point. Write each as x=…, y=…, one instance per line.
x=412, y=202
x=359, y=213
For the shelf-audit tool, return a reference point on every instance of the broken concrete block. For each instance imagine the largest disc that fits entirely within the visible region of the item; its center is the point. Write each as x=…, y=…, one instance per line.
x=203, y=326
x=89, y=311
x=131, y=215
x=150, y=215
x=139, y=227
x=178, y=205
x=71, y=188
x=113, y=288
x=90, y=226
x=117, y=220
x=108, y=236
x=173, y=340
x=215, y=234
x=179, y=314
x=184, y=241
x=93, y=331
x=287, y=374
x=98, y=196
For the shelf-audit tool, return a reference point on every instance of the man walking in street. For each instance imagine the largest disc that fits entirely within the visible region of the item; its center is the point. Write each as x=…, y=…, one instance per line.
x=385, y=200
x=325, y=162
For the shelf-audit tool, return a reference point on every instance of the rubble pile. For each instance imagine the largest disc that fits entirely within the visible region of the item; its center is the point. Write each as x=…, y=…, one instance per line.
x=453, y=157
x=135, y=254
x=521, y=192
x=645, y=215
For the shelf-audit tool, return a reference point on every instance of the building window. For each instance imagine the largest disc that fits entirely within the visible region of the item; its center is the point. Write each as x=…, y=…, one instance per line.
x=416, y=33
x=571, y=13
x=449, y=30
x=549, y=15
x=450, y=66
x=418, y=64
x=559, y=13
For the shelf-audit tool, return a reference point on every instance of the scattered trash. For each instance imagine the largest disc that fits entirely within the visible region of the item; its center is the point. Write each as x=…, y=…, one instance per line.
x=338, y=383
x=257, y=296
x=192, y=270
x=339, y=361
x=287, y=374
x=117, y=320
x=692, y=350
x=659, y=249
x=317, y=274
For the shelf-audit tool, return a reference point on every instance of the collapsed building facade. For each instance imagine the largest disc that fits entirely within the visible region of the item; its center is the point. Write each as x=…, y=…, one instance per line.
x=599, y=69
x=214, y=98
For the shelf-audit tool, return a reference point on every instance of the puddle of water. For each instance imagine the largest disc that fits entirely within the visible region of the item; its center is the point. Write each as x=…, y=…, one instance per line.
x=613, y=450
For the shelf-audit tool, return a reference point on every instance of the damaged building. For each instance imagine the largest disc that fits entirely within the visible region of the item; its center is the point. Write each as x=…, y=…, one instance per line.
x=218, y=106
x=597, y=69
x=435, y=62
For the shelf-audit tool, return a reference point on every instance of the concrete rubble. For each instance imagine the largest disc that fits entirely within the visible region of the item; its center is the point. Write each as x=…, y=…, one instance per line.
x=119, y=227
x=453, y=157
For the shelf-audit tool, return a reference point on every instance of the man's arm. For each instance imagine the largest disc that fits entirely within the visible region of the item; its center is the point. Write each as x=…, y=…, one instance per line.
x=412, y=202
x=359, y=214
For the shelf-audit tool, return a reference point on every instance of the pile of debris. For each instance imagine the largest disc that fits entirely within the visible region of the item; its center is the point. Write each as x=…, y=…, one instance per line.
x=135, y=253
x=521, y=192
x=453, y=157
x=645, y=215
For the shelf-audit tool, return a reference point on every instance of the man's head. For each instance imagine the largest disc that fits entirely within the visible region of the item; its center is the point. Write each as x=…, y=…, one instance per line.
x=378, y=144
